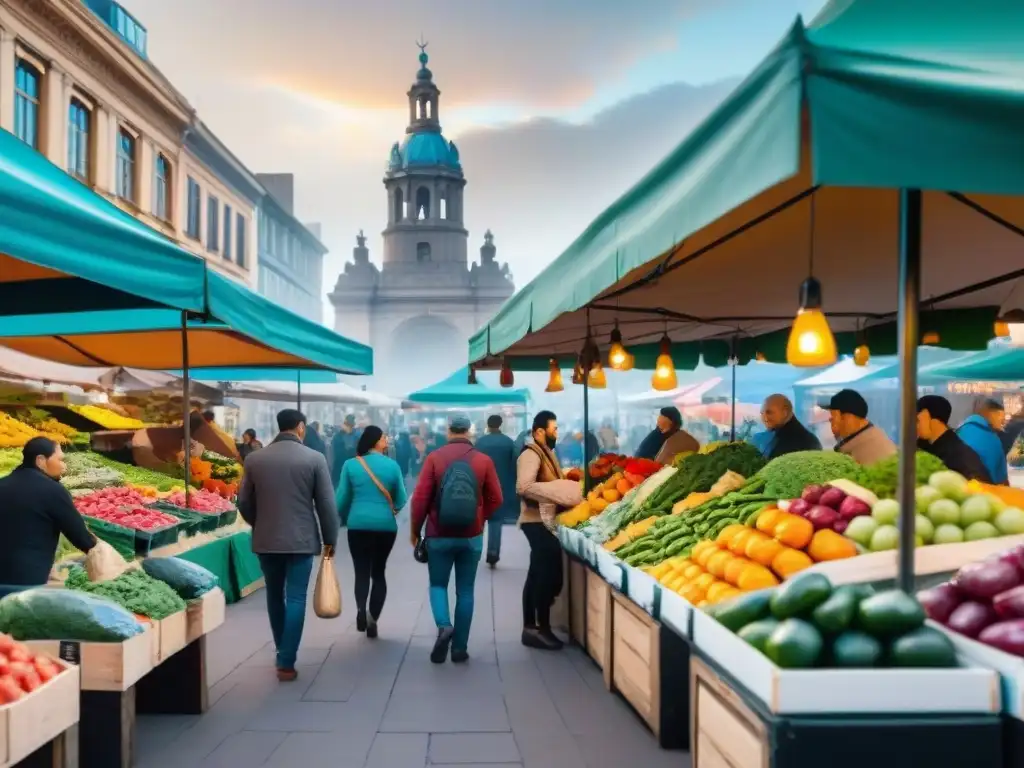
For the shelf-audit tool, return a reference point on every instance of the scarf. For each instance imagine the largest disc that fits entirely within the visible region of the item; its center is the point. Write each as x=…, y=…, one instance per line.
x=651, y=445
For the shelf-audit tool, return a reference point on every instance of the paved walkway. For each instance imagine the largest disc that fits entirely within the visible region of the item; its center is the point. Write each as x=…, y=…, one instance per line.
x=382, y=704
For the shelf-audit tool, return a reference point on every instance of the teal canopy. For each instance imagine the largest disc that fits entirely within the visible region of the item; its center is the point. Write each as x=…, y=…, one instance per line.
x=65, y=248
x=241, y=329
x=456, y=392
x=287, y=375
x=1004, y=364
x=797, y=173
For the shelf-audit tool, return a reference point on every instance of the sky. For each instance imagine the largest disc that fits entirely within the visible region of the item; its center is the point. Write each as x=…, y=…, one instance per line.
x=558, y=106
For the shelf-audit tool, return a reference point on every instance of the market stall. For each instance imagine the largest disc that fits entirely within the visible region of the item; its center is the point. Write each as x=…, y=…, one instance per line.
x=811, y=174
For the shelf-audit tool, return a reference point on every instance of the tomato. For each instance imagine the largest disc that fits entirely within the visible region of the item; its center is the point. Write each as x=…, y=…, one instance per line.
x=6, y=643
x=19, y=653
x=9, y=690
x=46, y=669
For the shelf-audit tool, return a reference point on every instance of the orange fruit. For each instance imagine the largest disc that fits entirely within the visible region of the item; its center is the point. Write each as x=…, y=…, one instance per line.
x=717, y=562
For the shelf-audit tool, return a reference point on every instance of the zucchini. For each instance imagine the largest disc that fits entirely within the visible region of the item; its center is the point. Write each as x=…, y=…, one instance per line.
x=889, y=614
x=794, y=644
x=800, y=596
x=923, y=647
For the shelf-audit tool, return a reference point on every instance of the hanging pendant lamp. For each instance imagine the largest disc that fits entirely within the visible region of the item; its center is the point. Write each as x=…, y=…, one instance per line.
x=664, y=377
x=506, y=379
x=554, y=377
x=618, y=355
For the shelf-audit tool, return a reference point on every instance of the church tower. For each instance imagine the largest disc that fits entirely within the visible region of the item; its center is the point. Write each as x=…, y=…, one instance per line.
x=420, y=307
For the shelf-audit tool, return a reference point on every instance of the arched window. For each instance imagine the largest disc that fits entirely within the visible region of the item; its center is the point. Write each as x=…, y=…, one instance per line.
x=162, y=191
x=399, y=205
x=27, y=81
x=422, y=203
x=419, y=109
x=422, y=252
x=442, y=203
x=430, y=109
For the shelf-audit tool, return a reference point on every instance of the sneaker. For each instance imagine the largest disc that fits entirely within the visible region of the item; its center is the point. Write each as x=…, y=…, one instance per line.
x=371, y=628
x=552, y=638
x=361, y=621
x=534, y=638
x=286, y=675
x=444, y=640
x=459, y=657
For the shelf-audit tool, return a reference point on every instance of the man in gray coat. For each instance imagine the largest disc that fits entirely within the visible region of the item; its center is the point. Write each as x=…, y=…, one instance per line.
x=281, y=486
x=501, y=449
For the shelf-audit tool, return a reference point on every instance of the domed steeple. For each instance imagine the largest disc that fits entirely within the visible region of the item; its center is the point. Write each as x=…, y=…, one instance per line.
x=423, y=98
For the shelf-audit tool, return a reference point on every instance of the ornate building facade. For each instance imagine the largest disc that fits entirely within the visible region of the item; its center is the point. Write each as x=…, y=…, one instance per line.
x=419, y=308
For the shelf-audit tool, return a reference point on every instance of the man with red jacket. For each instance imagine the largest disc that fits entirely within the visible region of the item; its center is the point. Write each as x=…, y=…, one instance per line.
x=456, y=494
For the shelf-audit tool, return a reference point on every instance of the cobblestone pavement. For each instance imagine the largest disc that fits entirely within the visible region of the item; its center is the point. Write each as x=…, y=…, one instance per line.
x=382, y=704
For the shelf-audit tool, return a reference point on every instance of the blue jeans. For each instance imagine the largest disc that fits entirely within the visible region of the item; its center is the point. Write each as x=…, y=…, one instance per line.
x=494, y=526
x=463, y=555
x=287, y=578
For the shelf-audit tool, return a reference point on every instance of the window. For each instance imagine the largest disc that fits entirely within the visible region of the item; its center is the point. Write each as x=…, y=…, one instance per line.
x=240, y=226
x=212, y=224
x=422, y=252
x=79, y=118
x=129, y=29
x=195, y=208
x=161, y=188
x=228, y=221
x=26, y=103
x=125, y=165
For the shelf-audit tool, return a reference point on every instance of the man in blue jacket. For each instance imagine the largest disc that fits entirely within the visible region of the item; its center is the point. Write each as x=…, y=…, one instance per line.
x=981, y=432
x=501, y=449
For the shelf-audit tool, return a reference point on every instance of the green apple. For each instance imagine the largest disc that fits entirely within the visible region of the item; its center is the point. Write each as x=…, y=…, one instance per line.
x=885, y=537
x=980, y=530
x=948, y=534
x=976, y=509
x=886, y=511
x=924, y=528
x=944, y=512
x=861, y=529
x=1009, y=522
x=924, y=495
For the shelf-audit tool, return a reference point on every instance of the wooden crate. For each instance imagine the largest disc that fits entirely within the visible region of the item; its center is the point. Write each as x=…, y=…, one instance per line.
x=171, y=632
x=577, y=578
x=599, y=624
x=636, y=660
x=254, y=587
x=725, y=733
x=560, y=609
x=105, y=666
x=204, y=614
x=40, y=717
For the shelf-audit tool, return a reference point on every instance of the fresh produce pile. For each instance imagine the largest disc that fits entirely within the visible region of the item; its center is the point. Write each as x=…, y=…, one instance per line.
x=22, y=671
x=14, y=433
x=187, y=579
x=807, y=623
x=124, y=507
x=605, y=465
x=949, y=510
x=45, y=422
x=833, y=506
x=106, y=417
x=87, y=470
x=44, y=613
x=134, y=590
x=786, y=477
x=224, y=469
x=10, y=460
x=882, y=477
x=613, y=490
x=201, y=501
x=984, y=601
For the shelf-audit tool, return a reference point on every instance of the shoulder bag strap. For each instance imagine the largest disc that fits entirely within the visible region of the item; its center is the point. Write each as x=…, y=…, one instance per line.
x=378, y=483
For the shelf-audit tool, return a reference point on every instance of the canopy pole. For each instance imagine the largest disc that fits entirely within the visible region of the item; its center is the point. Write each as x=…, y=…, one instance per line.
x=298, y=391
x=732, y=401
x=186, y=386
x=908, y=323
x=586, y=431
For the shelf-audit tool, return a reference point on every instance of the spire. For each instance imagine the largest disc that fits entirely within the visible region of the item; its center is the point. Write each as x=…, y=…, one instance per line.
x=487, y=250
x=423, y=97
x=361, y=254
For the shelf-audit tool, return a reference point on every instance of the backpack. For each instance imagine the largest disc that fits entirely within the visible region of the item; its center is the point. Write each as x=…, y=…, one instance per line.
x=458, y=496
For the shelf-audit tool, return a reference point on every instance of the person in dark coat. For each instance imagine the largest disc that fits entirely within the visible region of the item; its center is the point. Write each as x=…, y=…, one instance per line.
x=935, y=437
x=788, y=434
x=501, y=449
x=249, y=444
x=403, y=453
x=343, y=447
x=313, y=439
x=35, y=509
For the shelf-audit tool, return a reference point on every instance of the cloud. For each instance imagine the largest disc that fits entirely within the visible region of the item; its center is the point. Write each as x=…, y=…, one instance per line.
x=532, y=52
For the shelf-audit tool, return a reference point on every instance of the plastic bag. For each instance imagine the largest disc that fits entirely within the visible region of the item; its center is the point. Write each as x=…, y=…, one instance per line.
x=327, y=593
x=187, y=579
x=103, y=562
x=43, y=613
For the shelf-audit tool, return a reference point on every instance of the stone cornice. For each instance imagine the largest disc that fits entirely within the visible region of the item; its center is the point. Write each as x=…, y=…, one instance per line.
x=79, y=34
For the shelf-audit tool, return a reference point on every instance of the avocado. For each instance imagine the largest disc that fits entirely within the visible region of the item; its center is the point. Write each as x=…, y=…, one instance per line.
x=890, y=614
x=794, y=644
x=800, y=596
x=856, y=649
x=745, y=609
x=837, y=613
x=923, y=647
x=758, y=632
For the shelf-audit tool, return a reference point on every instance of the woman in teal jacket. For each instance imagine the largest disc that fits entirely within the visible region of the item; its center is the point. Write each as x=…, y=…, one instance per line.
x=371, y=493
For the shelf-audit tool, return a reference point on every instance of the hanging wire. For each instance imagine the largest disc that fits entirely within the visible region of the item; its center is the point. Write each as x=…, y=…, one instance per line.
x=810, y=243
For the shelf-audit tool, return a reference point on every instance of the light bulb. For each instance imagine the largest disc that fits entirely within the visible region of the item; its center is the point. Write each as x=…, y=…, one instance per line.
x=577, y=372
x=811, y=342
x=861, y=355
x=760, y=358
x=597, y=379
x=554, y=378
x=664, y=377
x=931, y=338
x=1001, y=329
x=629, y=362
x=617, y=357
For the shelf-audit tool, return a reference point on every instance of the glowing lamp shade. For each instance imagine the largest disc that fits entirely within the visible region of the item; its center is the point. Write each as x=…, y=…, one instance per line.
x=618, y=355
x=861, y=355
x=577, y=371
x=760, y=358
x=597, y=379
x=811, y=342
x=931, y=338
x=664, y=377
x=1001, y=329
x=506, y=379
x=554, y=378
x=629, y=362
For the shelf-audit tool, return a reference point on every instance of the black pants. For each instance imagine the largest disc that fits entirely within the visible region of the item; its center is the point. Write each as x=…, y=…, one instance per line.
x=370, y=550
x=544, y=578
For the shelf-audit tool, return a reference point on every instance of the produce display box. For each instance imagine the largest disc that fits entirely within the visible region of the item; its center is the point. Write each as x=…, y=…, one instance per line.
x=147, y=541
x=612, y=569
x=731, y=728
x=40, y=717
x=171, y=633
x=229, y=518
x=675, y=612
x=205, y=614
x=643, y=590
x=650, y=669
x=1010, y=668
x=599, y=624
x=105, y=666
x=576, y=577
x=191, y=522
x=929, y=560
x=964, y=690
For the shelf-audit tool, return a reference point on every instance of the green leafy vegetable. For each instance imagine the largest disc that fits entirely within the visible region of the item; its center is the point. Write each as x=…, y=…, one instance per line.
x=881, y=477
x=134, y=590
x=786, y=477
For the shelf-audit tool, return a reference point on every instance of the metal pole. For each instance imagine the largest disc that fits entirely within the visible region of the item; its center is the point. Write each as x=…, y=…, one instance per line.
x=186, y=386
x=908, y=323
x=586, y=430
x=298, y=392
x=732, y=400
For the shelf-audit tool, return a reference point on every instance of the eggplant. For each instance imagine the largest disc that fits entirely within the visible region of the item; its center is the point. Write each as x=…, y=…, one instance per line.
x=985, y=580
x=970, y=618
x=1007, y=636
x=939, y=602
x=1010, y=604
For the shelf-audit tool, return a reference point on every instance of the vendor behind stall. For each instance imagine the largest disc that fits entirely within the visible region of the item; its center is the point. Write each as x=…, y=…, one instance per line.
x=668, y=438
x=35, y=509
x=857, y=437
x=935, y=437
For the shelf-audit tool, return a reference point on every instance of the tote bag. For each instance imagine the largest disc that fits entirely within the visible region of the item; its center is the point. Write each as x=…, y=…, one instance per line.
x=327, y=593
